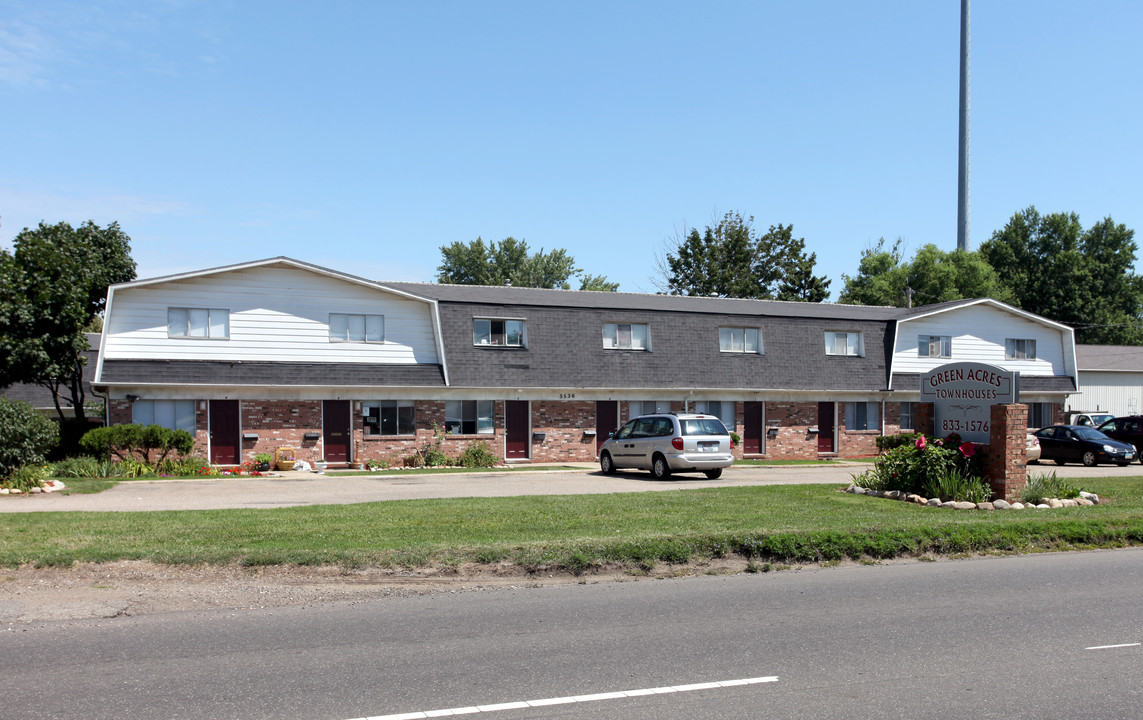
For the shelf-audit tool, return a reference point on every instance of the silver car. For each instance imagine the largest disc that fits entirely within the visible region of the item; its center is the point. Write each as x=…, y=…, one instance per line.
x=668, y=442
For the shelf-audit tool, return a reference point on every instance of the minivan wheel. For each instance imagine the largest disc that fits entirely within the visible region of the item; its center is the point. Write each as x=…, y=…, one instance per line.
x=659, y=468
x=606, y=464
x=713, y=474
x=1089, y=459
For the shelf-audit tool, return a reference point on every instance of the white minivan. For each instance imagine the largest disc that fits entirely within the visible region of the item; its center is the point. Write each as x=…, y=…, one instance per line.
x=669, y=442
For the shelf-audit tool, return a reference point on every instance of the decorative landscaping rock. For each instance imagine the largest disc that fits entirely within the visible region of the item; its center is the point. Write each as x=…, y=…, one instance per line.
x=1086, y=500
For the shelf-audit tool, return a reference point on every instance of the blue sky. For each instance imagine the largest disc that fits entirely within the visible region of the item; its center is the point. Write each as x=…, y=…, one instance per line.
x=365, y=135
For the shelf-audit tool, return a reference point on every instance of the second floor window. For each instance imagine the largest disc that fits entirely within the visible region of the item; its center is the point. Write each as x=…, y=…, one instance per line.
x=502, y=333
x=210, y=323
x=344, y=327
x=843, y=343
x=934, y=346
x=1018, y=349
x=736, y=339
x=623, y=336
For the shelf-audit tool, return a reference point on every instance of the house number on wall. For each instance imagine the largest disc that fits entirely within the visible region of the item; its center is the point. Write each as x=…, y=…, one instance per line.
x=567, y=396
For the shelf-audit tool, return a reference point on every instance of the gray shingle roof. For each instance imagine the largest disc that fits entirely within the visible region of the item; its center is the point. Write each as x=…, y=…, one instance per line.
x=537, y=297
x=1127, y=358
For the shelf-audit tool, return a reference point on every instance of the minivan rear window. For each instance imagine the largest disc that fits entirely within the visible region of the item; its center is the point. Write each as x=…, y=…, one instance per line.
x=706, y=426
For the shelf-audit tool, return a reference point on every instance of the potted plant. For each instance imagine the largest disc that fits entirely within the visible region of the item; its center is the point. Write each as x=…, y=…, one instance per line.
x=262, y=461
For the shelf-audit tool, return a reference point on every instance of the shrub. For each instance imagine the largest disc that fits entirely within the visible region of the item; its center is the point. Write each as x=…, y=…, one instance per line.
x=431, y=454
x=888, y=442
x=182, y=466
x=376, y=464
x=137, y=442
x=26, y=437
x=922, y=466
x=82, y=467
x=478, y=455
x=26, y=477
x=956, y=485
x=1041, y=487
x=261, y=458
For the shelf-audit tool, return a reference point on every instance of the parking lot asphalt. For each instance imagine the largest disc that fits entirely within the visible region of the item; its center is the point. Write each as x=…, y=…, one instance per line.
x=287, y=489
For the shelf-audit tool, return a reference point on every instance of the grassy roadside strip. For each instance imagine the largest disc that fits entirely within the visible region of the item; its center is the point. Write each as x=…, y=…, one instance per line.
x=788, y=523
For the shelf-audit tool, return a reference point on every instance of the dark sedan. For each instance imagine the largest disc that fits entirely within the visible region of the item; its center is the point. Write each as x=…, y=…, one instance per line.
x=1078, y=443
x=1125, y=429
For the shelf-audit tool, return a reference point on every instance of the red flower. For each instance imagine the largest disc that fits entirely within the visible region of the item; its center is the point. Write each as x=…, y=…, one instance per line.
x=921, y=442
x=967, y=449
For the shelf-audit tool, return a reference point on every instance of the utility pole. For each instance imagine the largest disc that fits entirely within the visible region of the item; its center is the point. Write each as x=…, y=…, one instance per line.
x=962, y=237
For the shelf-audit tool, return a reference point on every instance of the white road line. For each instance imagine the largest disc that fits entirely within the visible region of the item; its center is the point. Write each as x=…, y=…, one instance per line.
x=1108, y=647
x=579, y=698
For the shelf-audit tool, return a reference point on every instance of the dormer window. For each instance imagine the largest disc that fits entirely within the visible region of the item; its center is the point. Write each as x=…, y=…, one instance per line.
x=626, y=336
x=740, y=340
x=205, y=323
x=345, y=327
x=844, y=343
x=934, y=346
x=497, y=333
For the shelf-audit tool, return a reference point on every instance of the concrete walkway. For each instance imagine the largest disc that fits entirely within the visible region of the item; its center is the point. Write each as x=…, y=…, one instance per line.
x=308, y=488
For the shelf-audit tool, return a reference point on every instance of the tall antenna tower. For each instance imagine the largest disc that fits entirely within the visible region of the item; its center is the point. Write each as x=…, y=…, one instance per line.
x=962, y=174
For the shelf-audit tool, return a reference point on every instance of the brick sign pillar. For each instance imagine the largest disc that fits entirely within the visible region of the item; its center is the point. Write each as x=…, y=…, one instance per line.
x=923, y=418
x=1005, y=467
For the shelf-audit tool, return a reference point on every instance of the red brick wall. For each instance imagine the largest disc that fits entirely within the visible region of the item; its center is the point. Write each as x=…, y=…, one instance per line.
x=279, y=424
x=793, y=441
x=1005, y=466
x=564, y=423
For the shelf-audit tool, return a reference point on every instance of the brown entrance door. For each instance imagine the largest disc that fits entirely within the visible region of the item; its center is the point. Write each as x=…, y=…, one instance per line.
x=825, y=427
x=335, y=433
x=753, y=441
x=225, y=441
x=517, y=426
x=606, y=420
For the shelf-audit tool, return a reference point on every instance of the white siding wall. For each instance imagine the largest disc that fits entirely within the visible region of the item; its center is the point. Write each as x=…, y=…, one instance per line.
x=978, y=334
x=1119, y=393
x=276, y=314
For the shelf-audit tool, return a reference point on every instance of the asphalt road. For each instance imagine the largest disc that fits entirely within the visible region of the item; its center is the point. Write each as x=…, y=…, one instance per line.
x=298, y=488
x=1040, y=636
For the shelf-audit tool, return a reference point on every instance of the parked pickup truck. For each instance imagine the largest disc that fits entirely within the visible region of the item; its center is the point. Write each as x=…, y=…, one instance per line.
x=1090, y=419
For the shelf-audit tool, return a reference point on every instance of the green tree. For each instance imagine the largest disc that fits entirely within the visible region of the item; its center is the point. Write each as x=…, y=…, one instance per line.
x=52, y=286
x=509, y=261
x=731, y=260
x=932, y=276
x=1080, y=278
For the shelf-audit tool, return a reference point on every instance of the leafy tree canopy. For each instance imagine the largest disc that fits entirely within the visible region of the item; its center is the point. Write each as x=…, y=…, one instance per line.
x=52, y=286
x=932, y=276
x=1082, y=278
x=509, y=261
x=731, y=260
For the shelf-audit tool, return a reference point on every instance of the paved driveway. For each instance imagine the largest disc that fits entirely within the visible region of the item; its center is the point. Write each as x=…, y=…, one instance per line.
x=299, y=488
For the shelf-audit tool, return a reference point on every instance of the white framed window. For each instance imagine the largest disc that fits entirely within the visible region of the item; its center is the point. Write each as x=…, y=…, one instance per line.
x=1019, y=349
x=205, y=323
x=721, y=409
x=635, y=408
x=844, y=343
x=906, y=421
x=468, y=417
x=389, y=417
x=740, y=339
x=171, y=414
x=626, y=336
x=934, y=346
x=1039, y=414
x=349, y=327
x=862, y=416
x=500, y=333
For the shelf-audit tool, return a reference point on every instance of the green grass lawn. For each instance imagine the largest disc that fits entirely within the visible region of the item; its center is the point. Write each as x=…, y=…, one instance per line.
x=790, y=523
